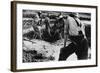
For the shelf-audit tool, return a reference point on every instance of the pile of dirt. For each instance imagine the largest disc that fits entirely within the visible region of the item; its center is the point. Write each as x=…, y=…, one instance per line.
x=40, y=51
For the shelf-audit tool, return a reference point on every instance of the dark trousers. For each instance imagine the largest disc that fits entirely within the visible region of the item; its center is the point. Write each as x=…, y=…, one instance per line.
x=79, y=45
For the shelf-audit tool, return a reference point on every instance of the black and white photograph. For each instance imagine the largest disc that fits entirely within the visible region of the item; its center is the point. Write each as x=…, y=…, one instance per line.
x=53, y=36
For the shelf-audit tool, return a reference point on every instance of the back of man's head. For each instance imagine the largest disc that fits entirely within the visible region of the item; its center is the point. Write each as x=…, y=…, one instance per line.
x=74, y=14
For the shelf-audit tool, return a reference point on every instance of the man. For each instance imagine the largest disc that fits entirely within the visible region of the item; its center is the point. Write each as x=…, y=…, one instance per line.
x=74, y=31
x=46, y=32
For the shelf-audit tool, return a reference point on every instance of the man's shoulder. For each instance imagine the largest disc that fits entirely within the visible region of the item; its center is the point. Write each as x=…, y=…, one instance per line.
x=70, y=19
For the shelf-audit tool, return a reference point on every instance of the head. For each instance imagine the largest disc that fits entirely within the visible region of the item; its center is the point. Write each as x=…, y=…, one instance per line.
x=60, y=15
x=74, y=14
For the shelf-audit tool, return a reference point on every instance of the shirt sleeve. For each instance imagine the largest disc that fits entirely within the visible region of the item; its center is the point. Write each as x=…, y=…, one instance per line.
x=66, y=32
x=66, y=27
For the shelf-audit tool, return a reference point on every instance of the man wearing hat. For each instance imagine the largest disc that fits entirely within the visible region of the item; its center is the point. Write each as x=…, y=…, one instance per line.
x=74, y=32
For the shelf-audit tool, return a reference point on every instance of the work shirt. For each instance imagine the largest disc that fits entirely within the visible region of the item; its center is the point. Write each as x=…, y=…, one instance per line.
x=73, y=26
